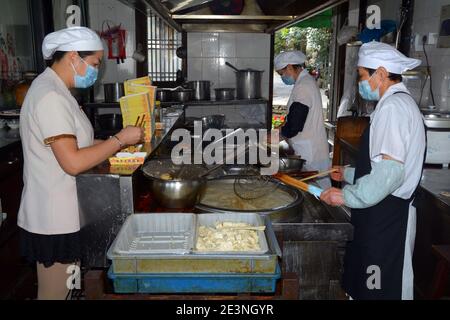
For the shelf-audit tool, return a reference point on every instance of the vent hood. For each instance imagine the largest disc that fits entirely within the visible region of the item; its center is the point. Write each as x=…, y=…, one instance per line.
x=255, y=16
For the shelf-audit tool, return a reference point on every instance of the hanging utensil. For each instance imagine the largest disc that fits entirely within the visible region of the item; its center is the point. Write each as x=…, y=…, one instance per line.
x=231, y=66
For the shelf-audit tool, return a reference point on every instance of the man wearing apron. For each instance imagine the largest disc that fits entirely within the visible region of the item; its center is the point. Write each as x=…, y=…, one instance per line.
x=304, y=128
x=381, y=189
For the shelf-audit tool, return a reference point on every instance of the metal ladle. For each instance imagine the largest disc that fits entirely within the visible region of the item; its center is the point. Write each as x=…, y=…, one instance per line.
x=231, y=66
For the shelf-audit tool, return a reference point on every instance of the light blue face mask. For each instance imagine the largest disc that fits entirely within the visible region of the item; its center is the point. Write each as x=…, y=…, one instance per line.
x=288, y=80
x=88, y=80
x=366, y=91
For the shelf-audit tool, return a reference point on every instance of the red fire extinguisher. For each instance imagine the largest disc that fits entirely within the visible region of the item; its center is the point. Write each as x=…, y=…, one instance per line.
x=116, y=38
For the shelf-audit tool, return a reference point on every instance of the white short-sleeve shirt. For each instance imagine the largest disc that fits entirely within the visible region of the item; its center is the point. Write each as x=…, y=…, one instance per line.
x=397, y=130
x=49, y=202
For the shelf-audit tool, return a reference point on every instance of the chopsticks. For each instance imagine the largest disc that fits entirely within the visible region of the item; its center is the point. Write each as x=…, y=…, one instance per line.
x=140, y=120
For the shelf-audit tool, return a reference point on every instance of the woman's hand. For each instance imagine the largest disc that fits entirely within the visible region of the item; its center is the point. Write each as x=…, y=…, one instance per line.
x=338, y=175
x=333, y=197
x=131, y=135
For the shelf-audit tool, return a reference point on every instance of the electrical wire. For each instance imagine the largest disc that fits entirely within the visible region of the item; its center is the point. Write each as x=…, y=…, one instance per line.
x=429, y=72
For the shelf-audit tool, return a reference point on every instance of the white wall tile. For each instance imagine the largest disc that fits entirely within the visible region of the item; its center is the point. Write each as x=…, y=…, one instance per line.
x=226, y=74
x=249, y=45
x=210, y=69
x=227, y=45
x=117, y=12
x=195, y=67
x=210, y=44
x=194, y=45
x=426, y=19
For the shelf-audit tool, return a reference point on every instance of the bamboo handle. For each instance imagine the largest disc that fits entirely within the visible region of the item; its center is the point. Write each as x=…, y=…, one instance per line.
x=323, y=173
x=292, y=182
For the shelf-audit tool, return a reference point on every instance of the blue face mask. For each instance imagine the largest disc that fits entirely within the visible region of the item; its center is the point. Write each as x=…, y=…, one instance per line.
x=88, y=79
x=288, y=80
x=366, y=91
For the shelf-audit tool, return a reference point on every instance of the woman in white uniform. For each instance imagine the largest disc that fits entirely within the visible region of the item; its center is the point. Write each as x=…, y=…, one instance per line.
x=381, y=189
x=58, y=143
x=304, y=128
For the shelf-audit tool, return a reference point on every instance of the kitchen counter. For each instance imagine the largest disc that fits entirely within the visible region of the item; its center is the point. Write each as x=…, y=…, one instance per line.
x=435, y=181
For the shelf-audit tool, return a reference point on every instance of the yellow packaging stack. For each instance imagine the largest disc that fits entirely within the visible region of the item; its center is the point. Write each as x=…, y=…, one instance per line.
x=139, y=86
x=137, y=105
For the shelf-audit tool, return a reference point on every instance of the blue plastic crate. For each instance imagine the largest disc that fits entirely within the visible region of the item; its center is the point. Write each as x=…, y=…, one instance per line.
x=195, y=283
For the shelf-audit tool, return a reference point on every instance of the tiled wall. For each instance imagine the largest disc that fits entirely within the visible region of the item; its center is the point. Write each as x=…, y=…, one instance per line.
x=426, y=19
x=207, y=53
x=115, y=11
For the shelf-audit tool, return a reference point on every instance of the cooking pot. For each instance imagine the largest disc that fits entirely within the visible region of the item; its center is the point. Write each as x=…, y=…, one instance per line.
x=248, y=83
x=113, y=91
x=201, y=89
x=223, y=94
x=290, y=212
x=290, y=164
x=184, y=190
x=181, y=94
x=164, y=95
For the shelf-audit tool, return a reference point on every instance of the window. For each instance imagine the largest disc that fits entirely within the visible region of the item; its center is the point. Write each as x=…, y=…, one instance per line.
x=163, y=42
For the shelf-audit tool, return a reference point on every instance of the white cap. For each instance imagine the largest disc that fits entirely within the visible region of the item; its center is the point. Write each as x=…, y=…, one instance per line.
x=282, y=60
x=71, y=39
x=376, y=54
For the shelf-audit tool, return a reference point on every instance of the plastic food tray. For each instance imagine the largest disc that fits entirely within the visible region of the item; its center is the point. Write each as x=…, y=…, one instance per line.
x=146, y=234
x=195, y=283
x=210, y=220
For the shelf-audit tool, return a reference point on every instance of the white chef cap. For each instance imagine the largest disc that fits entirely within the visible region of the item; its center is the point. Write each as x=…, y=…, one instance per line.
x=376, y=54
x=282, y=60
x=71, y=39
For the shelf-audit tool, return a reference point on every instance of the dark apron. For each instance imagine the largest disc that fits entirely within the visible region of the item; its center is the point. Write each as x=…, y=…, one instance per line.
x=379, y=240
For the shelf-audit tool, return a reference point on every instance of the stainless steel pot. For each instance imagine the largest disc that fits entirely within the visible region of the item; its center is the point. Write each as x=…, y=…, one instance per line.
x=290, y=164
x=164, y=95
x=113, y=91
x=248, y=83
x=178, y=194
x=201, y=89
x=182, y=95
x=224, y=94
x=183, y=191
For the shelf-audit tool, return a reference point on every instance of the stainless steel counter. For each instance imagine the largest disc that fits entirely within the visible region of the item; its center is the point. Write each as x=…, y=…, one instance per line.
x=435, y=181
